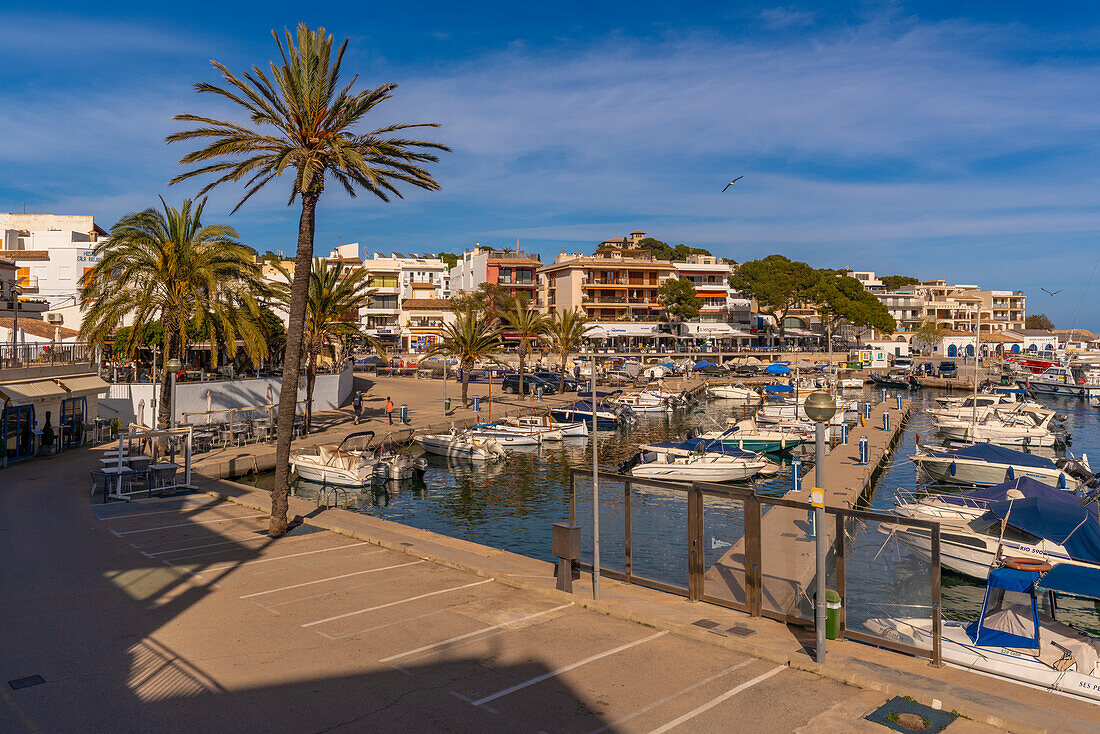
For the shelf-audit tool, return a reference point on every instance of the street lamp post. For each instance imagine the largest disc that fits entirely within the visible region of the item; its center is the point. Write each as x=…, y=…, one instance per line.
x=173, y=366
x=820, y=407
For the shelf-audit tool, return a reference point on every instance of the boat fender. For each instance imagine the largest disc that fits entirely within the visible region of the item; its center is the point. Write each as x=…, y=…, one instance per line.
x=1027, y=564
x=1010, y=474
x=953, y=468
x=1061, y=481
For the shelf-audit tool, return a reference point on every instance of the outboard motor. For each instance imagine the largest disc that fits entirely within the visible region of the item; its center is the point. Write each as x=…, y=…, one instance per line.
x=626, y=466
x=1079, y=470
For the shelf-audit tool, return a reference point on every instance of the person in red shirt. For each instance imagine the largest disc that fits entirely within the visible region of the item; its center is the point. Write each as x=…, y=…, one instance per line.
x=389, y=409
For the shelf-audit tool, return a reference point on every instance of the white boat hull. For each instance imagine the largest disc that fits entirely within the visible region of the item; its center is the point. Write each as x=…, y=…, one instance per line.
x=959, y=649
x=708, y=468
x=475, y=449
x=321, y=474
x=984, y=474
x=1002, y=436
x=730, y=392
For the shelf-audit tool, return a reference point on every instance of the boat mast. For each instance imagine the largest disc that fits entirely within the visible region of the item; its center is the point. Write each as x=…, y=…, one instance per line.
x=977, y=358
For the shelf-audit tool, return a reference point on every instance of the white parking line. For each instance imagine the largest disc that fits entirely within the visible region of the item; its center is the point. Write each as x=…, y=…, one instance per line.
x=185, y=508
x=189, y=524
x=715, y=701
x=472, y=634
x=330, y=578
x=289, y=555
x=403, y=620
x=559, y=671
x=671, y=696
x=204, y=545
x=394, y=603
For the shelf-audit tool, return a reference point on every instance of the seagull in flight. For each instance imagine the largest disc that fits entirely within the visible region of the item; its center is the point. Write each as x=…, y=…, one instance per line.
x=1052, y=293
x=731, y=183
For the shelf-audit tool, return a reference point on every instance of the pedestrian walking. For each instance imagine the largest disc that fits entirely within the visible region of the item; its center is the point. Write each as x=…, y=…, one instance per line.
x=357, y=406
x=389, y=409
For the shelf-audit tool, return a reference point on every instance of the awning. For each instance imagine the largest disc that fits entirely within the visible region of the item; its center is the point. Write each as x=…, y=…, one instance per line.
x=717, y=330
x=82, y=385
x=607, y=331
x=31, y=392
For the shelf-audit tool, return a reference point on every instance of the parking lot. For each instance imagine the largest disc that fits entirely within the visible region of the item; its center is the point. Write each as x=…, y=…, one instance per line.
x=218, y=625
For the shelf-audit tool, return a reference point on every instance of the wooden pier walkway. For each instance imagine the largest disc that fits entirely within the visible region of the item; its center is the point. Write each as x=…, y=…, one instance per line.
x=787, y=547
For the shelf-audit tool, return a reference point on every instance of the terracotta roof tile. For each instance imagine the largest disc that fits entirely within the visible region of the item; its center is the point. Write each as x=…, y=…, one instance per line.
x=39, y=328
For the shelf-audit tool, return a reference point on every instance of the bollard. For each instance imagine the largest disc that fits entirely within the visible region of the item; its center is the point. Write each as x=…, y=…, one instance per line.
x=538, y=393
x=884, y=394
x=867, y=410
x=477, y=402
x=404, y=414
x=886, y=420
x=446, y=405
x=898, y=396
x=843, y=434
x=864, y=458
x=796, y=474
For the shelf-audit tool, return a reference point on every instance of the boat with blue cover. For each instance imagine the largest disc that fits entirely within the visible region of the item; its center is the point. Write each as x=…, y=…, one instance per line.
x=1011, y=638
x=935, y=506
x=987, y=464
x=1039, y=528
x=608, y=417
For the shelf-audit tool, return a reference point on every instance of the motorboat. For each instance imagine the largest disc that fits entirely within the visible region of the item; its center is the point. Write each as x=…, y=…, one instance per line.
x=350, y=465
x=739, y=393
x=972, y=505
x=507, y=435
x=849, y=383
x=545, y=422
x=1026, y=426
x=897, y=379
x=644, y=403
x=1082, y=380
x=693, y=446
x=1011, y=638
x=608, y=417
x=973, y=406
x=987, y=464
x=698, y=467
x=1035, y=527
x=748, y=436
x=461, y=445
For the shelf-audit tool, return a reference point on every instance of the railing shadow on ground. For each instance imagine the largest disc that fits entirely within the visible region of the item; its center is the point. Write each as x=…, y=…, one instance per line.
x=727, y=545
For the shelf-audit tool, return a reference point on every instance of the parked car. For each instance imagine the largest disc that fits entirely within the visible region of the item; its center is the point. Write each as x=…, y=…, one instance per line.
x=554, y=378
x=948, y=369
x=510, y=385
x=903, y=363
x=925, y=368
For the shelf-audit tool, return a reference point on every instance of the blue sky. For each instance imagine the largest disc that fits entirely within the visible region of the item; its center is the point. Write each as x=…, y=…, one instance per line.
x=939, y=139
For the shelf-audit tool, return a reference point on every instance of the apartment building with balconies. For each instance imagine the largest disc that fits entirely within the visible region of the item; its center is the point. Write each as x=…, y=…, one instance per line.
x=710, y=277
x=962, y=307
x=615, y=284
x=514, y=270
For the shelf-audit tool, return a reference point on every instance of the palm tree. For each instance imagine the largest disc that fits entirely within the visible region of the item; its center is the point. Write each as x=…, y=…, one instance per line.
x=527, y=325
x=566, y=334
x=165, y=265
x=332, y=313
x=470, y=339
x=301, y=121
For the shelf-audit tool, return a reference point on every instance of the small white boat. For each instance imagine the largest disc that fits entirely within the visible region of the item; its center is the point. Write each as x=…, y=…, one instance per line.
x=699, y=467
x=644, y=403
x=1020, y=427
x=1011, y=638
x=987, y=464
x=849, y=383
x=460, y=445
x=734, y=392
x=349, y=465
x=507, y=435
x=543, y=422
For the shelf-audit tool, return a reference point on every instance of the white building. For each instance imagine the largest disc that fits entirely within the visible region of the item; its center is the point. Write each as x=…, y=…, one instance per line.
x=710, y=275
x=52, y=252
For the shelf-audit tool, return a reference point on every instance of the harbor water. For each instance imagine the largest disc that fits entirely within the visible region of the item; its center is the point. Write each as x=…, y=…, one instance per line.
x=512, y=503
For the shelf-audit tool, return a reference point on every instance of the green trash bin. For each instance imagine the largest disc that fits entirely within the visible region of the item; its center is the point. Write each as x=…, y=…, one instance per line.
x=446, y=405
x=832, y=614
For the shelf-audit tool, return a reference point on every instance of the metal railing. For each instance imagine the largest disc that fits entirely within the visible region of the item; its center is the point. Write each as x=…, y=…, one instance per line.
x=32, y=355
x=751, y=582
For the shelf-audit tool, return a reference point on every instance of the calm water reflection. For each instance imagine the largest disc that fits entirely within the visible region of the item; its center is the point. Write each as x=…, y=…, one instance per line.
x=511, y=505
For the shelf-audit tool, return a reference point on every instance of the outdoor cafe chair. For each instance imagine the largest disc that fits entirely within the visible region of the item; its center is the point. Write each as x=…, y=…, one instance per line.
x=99, y=483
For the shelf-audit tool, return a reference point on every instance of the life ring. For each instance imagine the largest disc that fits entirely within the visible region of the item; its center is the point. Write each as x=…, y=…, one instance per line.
x=1027, y=564
x=1080, y=380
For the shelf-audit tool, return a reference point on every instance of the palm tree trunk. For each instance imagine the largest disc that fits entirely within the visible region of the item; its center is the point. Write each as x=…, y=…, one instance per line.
x=164, y=408
x=465, y=382
x=521, y=356
x=564, y=359
x=292, y=359
x=311, y=379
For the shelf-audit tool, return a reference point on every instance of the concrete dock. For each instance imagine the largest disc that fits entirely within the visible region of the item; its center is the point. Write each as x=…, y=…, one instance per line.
x=788, y=550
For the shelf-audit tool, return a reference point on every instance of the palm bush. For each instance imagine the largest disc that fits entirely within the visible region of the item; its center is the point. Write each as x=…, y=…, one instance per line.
x=471, y=338
x=566, y=333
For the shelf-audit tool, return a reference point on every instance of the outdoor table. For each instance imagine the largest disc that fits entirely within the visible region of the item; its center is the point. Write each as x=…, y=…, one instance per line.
x=113, y=460
x=162, y=475
x=118, y=474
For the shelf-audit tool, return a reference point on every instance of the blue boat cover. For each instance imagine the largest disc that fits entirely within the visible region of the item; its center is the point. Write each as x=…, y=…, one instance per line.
x=989, y=630
x=778, y=388
x=1070, y=579
x=995, y=454
x=778, y=369
x=1027, y=486
x=1069, y=525
x=703, y=363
